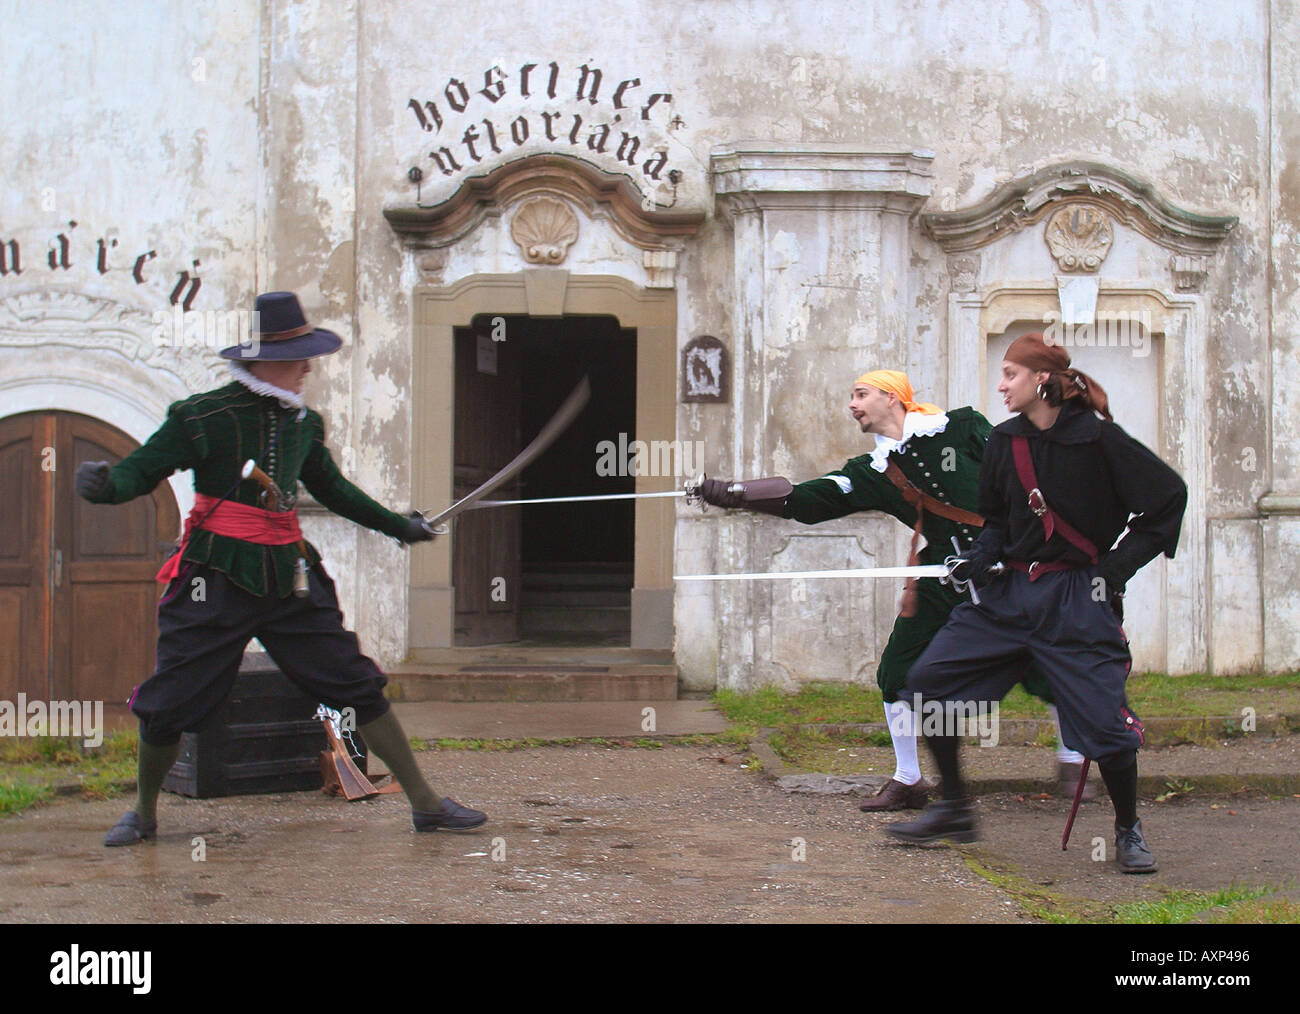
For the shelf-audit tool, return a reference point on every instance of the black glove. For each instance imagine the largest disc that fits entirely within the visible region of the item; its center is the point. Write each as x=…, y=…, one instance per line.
x=1114, y=588
x=416, y=529
x=973, y=567
x=92, y=479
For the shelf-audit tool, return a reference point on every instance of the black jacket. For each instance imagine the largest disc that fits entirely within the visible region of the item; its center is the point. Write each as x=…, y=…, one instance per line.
x=1094, y=475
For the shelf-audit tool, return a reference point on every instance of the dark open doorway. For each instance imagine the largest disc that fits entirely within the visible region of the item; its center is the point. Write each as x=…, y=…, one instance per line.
x=552, y=574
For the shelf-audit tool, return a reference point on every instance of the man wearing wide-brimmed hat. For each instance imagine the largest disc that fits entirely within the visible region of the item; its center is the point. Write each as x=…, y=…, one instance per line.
x=257, y=575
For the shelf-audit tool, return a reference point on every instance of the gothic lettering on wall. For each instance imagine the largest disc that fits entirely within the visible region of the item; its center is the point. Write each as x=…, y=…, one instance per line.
x=613, y=131
x=64, y=253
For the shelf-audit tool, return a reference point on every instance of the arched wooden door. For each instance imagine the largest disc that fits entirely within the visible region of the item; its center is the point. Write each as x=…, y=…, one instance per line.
x=78, y=601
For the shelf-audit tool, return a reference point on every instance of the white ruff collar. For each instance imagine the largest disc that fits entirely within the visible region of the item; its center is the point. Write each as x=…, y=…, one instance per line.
x=915, y=424
x=287, y=399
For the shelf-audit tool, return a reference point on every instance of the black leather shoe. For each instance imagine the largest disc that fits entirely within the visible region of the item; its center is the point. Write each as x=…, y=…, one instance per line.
x=130, y=830
x=452, y=817
x=1131, y=852
x=953, y=819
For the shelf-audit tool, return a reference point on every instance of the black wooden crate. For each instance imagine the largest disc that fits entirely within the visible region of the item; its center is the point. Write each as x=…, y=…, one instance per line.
x=264, y=739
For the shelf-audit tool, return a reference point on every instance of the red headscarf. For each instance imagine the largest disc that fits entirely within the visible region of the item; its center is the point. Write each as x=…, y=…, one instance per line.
x=1064, y=383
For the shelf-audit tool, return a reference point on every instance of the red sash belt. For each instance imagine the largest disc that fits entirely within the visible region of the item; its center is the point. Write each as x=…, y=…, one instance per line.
x=1035, y=568
x=236, y=521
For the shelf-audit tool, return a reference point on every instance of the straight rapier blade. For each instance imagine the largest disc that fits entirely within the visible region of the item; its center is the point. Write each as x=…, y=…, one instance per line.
x=929, y=570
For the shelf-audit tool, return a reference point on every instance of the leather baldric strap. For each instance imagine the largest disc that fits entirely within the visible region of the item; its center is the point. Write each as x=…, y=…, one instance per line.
x=922, y=502
x=1052, y=522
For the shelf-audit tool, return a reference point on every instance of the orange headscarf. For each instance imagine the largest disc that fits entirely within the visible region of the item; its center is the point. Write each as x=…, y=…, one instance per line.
x=897, y=383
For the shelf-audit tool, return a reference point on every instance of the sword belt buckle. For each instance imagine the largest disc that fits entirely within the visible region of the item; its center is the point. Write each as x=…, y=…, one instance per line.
x=1033, y=565
x=1039, y=507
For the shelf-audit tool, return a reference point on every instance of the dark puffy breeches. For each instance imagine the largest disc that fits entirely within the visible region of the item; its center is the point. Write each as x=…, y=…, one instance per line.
x=1071, y=638
x=204, y=624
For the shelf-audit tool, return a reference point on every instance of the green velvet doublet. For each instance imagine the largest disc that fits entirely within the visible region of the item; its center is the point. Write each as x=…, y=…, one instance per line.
x=945, y=465
x=214, y=433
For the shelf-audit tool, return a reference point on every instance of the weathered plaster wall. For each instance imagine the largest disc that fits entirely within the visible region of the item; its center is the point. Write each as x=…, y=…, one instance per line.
x=1282, y=527
x=264, y=140
x=138, y=122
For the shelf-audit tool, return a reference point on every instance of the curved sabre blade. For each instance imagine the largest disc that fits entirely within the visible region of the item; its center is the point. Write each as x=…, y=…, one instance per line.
x=556, y=425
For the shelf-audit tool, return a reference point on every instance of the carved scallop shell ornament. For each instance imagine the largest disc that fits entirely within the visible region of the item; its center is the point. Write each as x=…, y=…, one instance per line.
x=544, y=228
x=1079, y=237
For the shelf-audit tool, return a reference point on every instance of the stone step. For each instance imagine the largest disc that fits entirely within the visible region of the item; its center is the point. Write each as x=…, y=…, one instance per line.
x=578, y=578
x=532, y=598
x=574, y=619
x=490, y=681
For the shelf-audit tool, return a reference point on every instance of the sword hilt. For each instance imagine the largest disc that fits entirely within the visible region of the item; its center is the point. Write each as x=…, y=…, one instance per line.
x=692, y=488
x=434, y=530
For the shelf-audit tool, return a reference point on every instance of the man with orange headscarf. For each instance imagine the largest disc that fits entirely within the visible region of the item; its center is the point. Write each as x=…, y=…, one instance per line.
x=924, y=458
x=1060, y=483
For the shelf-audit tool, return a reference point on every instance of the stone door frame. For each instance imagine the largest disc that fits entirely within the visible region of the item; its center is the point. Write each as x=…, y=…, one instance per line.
x=437, y=312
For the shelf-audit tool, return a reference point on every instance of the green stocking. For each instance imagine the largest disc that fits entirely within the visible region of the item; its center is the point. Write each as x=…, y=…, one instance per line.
x=154, y=763
x=385, y=738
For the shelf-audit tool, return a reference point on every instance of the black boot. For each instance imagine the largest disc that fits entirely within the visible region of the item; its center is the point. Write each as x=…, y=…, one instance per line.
x=1131, y=852
x=953, y=819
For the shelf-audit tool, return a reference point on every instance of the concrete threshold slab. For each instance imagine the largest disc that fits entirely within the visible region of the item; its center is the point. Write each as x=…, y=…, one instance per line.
x=534, y=681
x=431, y=720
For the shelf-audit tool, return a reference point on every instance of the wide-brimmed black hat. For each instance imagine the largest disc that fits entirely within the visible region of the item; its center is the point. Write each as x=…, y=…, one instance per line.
x=281, y=333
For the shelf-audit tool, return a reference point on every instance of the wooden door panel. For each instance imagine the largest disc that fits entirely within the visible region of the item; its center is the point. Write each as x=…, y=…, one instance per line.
x=77, y=594
x=106, y=597
x=15, y=605
x=112, y=646
x=485, y=544
x=25, y=519
x=107, y=531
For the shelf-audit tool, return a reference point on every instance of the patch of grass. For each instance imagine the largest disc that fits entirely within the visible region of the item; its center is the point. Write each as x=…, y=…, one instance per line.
x=29, y=767
x=1036, y=900
x=1174, y=789
x=1232, y=904
x=1199, y=695
x=1184, y=906
x=17, y=796
x=1276, y=910
x=815, y=702
x=831, y=753
x=1152, y=694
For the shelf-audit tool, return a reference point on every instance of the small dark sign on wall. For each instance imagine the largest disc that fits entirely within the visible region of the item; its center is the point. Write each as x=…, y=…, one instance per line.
x=705, y=370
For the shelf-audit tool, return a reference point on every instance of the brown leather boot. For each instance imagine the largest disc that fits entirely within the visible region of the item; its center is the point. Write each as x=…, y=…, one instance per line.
x=894, y=795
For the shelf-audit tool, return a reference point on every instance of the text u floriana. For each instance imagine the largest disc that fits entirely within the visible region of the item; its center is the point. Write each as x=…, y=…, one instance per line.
x=604, y=132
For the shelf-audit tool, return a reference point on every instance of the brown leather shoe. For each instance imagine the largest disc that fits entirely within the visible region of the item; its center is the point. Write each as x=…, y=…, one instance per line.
x=894, y=795
x=1067, y=777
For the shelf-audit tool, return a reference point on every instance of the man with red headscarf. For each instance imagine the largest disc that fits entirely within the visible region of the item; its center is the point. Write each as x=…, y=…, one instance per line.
x=1060, y=482
x=924, y=471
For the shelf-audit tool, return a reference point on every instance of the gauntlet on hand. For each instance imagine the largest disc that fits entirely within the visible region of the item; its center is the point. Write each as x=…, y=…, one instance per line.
x=766, y=495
